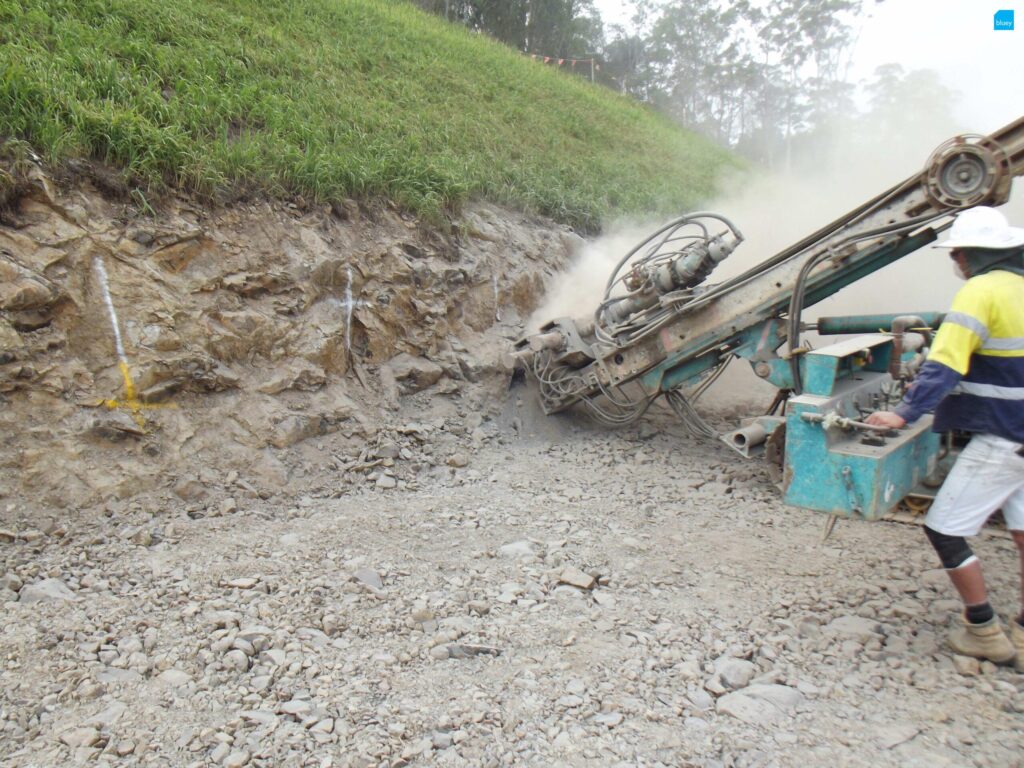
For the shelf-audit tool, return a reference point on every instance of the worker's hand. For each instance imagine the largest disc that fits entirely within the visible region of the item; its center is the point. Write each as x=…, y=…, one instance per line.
x=886, y=419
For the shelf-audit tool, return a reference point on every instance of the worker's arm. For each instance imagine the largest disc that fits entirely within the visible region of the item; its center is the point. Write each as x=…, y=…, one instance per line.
x=963, y=331
x=933, y=382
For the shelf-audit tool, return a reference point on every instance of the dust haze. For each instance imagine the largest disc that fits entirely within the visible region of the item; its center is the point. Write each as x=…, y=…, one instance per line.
x=775, y=210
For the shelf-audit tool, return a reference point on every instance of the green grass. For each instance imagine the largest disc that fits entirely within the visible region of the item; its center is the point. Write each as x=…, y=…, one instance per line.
x=327, y=99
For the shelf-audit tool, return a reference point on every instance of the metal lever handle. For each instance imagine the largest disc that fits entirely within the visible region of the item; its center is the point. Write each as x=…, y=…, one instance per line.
x=833, y=419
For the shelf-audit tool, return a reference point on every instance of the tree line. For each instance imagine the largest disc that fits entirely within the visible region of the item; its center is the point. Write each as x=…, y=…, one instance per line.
x=759, y=76
x=554, y=28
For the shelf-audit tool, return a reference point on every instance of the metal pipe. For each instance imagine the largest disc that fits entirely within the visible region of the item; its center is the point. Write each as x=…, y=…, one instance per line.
x=748, y=437
x=834, y=326
x=913, y=323
x=900, y=326
x=551, y=340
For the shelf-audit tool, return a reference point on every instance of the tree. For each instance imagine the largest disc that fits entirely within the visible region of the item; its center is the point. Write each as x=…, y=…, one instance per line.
x=908, y=106
x=698, y=64
x=804, y=45
x=557, y=28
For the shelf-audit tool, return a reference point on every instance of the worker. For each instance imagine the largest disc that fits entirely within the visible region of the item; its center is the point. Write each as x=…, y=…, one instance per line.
x=973, y=380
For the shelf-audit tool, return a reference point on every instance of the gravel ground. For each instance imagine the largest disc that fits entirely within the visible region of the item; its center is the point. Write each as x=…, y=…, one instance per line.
x=575, y=599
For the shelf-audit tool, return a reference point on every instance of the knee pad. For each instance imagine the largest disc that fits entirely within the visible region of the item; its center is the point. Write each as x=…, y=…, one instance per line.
x=953, y=551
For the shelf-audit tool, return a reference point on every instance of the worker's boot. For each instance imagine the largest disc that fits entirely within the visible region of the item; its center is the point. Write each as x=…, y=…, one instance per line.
x=984, y=641
x=1017, y=636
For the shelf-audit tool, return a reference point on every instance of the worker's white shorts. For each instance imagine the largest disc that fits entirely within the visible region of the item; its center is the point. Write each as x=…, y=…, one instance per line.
x=988, y=475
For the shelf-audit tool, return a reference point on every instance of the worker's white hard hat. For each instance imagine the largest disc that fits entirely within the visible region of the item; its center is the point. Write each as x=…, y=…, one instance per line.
x=982, y=227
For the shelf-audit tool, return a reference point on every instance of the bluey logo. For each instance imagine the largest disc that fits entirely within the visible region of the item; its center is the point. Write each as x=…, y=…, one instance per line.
x=1003, y=20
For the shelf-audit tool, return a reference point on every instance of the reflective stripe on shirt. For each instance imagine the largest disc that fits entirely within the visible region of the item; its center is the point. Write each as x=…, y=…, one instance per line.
x=1003, y=345
x=990, y=390
x=969, y=322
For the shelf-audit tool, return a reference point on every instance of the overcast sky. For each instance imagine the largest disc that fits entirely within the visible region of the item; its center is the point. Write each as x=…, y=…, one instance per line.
x=953, y=37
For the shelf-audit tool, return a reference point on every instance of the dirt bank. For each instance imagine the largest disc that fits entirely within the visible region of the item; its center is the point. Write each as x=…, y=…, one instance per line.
x=248, y=331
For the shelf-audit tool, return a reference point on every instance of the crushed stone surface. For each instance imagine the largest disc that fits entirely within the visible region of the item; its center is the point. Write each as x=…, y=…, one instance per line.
x=562, y=598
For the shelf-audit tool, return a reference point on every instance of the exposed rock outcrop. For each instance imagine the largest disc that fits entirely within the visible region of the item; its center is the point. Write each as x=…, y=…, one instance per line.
x=246, y=329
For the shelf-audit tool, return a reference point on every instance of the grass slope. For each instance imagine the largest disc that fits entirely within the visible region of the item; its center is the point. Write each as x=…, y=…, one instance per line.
x=330, y=99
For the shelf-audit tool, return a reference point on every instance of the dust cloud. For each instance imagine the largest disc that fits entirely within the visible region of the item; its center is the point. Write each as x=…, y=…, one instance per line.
x=579, y=290
x=775, y=210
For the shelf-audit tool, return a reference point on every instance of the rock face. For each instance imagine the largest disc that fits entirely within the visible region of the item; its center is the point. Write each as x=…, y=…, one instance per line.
x=256, y=325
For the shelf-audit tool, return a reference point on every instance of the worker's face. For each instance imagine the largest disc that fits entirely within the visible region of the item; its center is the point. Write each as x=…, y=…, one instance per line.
x=960, y=268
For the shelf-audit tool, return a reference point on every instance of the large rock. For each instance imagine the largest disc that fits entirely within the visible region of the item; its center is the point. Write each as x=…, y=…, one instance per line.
x=21, y=289
x=414, y=373
x=760, y=704
x=47, y=590
x=227, y=302
x=735, y=673
x=11, y=344
x=297, y=374
x=235, y=335
x=856, y=627
x=271, y=422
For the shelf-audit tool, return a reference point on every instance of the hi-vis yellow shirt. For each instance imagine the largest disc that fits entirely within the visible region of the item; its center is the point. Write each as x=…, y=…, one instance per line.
x=974, y=376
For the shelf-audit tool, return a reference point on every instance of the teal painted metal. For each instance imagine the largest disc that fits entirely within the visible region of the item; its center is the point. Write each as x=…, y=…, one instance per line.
x=756, y=344
x=758, y=340
x=779, y=373
x=819, y=287
x=840, y=472
x=674, y=374
x=823, y=287
x=820, y=373
x=834, y=326
x=839, y=475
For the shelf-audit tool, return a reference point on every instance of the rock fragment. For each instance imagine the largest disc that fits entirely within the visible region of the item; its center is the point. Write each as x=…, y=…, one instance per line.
x=458, y=460
x=890, y=736
x=966, y=665
x=246, y=582
x=47, y=590
x=80, y=737
x=576, y=578
x=466, y=651
x=857, y=627
x=520, y=548
x=297, y=708
x=735, y=673
x=369, y=577
x=760, y=704
x=174, y=677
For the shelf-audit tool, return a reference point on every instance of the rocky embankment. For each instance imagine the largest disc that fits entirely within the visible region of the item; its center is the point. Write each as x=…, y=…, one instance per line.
x=247, y=330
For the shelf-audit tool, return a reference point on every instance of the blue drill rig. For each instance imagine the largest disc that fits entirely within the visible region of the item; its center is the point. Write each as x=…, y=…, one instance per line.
x=662, y=330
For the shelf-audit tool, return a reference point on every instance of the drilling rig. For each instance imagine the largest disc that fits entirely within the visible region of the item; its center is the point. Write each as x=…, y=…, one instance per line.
x=662, y=330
